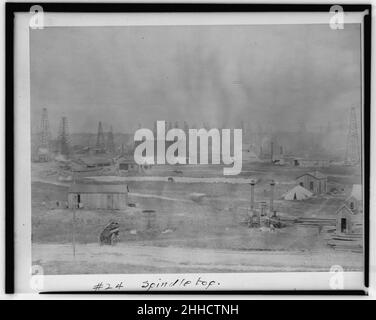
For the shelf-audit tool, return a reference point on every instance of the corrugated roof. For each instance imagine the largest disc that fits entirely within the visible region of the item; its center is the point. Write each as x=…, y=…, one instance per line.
x=97, y=188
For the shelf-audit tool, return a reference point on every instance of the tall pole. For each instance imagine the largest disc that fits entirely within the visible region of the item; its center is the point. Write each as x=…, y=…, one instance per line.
x=352, y=147
x=100, y=138
x=272, y=184
x=73, y=226
x=271, y=151
x=252, y=212
x=252, y=195
x=74, y=219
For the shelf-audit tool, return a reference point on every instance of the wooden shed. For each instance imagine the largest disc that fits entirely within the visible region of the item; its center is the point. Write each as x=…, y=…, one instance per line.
x=348, y=222
x=315, y=182
x=98, y=196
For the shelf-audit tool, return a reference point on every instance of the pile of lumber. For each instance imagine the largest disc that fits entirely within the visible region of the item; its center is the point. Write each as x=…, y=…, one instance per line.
x=352, y=242
x=316, y=221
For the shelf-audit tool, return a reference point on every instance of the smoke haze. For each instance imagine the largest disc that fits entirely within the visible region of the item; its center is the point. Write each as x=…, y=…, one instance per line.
x=275, y=75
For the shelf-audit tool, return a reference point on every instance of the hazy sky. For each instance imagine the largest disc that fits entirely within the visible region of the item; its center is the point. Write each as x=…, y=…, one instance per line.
x=278, y=74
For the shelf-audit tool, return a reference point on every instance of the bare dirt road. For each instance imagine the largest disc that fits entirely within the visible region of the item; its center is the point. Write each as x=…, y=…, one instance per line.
x=132, y=258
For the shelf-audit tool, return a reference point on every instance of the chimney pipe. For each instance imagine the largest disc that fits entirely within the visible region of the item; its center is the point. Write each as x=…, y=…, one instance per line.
x=272, y=184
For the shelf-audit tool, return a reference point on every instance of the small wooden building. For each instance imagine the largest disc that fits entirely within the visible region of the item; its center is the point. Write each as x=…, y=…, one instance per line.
x=98, y=196
x=96, y=161
x=128, y=165
x=348, y=222
x=315, y=182
x=43, y=155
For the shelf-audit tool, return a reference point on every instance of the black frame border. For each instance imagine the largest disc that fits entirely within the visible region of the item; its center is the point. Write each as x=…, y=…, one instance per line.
x=13, y=7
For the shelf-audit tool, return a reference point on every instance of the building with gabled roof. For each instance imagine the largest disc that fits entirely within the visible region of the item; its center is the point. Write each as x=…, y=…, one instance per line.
x=98, y=196
x=348, y=222
x=127, y=164
x=315, y=182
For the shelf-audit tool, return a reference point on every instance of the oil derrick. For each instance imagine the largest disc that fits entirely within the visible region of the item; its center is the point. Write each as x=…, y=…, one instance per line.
x=186, y=128
x=352, y=147
x=100, y=138
x=242, y=127
x=44, y=138
x=110, y=141
x=122, y=149
x=63, y=139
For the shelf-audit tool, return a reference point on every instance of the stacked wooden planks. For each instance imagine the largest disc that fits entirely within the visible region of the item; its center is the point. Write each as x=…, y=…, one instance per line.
x=352, y=242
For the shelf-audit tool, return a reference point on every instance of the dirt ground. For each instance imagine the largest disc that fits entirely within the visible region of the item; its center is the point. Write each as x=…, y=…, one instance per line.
x=184, y=233
x=135, y=258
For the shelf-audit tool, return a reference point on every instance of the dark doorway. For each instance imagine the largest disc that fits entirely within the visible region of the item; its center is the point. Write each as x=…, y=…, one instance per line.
x=343, y=225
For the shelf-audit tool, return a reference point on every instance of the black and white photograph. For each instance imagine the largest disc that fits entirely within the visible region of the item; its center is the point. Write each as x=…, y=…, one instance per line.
x=296, y=204
x=191, y=151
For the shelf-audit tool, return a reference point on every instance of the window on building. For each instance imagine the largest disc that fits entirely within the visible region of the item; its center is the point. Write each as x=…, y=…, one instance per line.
x=352, y=205
x=311, y=185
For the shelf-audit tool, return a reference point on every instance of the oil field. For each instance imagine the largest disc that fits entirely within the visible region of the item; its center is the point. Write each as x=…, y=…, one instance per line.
x=290, y=121
x=297, y=204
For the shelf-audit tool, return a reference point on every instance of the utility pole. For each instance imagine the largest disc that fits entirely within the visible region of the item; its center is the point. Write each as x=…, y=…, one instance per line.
x=252, y=195
x=272, y=184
